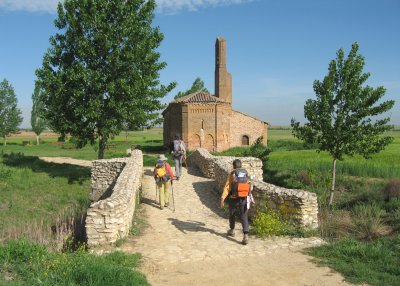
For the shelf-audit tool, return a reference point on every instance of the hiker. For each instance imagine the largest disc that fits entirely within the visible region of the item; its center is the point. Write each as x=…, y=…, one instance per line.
x=163, y=176
x=178, y=153
x=237, y=189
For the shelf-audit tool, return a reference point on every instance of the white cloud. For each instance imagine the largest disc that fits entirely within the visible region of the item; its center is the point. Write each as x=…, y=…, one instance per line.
x=164, y=6
x=49, y=6
x=169, y=6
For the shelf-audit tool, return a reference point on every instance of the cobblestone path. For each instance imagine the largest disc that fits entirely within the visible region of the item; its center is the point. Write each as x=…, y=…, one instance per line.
x=189, y=246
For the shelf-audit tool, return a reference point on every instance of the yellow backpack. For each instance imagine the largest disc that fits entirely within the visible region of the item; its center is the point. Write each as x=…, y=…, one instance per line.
x=161, y=172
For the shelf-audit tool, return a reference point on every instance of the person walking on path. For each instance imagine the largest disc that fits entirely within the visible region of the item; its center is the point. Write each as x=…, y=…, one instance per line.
x=178, y=153
x=164, y=177
x=237, y=189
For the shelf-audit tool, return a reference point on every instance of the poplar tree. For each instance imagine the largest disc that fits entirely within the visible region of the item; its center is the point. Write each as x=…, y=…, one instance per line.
x=37, y=122
x=341, y=118
x=197, y=85
x=102, y=70
x=10, y=114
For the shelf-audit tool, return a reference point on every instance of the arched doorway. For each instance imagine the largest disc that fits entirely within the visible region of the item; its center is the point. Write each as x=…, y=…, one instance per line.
x=195, y=142
x=245, y=140
x=209, y=143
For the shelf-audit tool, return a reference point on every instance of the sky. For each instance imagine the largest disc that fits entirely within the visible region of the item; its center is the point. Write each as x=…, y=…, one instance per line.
x=275, y=48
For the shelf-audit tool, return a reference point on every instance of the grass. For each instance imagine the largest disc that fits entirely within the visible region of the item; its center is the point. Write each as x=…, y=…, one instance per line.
x=375, y=263
x=26, y=263
x=41, y=201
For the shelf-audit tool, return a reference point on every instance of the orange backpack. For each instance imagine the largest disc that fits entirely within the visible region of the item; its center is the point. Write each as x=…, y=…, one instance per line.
x=241, y=184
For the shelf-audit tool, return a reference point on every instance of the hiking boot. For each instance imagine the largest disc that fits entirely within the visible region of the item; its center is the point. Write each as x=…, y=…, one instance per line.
x=161, y=208
x=166, y=205
x=245, y=239
x=231, y=232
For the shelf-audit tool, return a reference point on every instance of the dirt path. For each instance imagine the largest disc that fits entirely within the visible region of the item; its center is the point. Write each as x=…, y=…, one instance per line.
x=67, y=160
x=190, y=246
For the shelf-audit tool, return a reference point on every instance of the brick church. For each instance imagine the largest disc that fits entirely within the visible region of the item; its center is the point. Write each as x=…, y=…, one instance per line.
x=208, y=121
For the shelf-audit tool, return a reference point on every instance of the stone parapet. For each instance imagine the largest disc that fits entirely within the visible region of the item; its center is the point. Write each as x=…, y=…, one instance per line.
x=299, y=205
x=110, y=217
x=203, y=160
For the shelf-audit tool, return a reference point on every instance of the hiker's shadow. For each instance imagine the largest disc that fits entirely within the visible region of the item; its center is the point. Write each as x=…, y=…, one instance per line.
x=196, y=226
x=209, y=197
x=150, y=202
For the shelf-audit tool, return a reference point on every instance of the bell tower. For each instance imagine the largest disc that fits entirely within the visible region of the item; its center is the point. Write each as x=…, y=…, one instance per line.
x=223, y=79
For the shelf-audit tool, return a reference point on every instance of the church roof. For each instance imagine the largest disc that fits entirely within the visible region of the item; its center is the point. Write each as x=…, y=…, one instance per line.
x=199, y=97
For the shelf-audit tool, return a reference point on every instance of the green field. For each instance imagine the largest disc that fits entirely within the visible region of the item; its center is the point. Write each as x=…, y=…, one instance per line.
x=149, y=141
x=385, y=164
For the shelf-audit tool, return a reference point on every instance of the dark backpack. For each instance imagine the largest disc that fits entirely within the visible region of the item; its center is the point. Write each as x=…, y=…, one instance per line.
x=241, y=184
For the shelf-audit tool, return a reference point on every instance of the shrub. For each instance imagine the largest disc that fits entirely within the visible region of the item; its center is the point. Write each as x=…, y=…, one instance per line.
x=367, y=221
x=4, y=172
x=392, y=189
x=392, y=205
x=334, y=224
x=304, y=177
x=269, y=223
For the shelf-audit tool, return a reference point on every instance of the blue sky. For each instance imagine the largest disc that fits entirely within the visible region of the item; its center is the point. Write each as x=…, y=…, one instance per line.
x=275, y=49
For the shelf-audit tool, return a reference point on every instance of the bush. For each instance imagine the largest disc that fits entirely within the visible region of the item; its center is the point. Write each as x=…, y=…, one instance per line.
x=4, y=172
x=367, y=221
x=392, y=189
x=304, y=177
x=269, y=223
x=392, y=205
x=334, y=224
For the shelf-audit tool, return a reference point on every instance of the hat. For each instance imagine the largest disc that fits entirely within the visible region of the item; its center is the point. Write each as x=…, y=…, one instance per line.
x=163, y=158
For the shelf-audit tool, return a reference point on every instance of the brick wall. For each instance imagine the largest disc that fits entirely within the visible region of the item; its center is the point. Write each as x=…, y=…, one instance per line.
x=242, y=124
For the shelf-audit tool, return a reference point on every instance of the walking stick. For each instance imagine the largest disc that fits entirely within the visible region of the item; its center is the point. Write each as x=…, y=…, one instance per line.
x=173, y=198
x=155, y=199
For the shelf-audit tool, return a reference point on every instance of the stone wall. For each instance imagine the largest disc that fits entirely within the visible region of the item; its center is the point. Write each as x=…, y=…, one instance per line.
x=205, y=161
x=297, y=204
x=104, y=176
x=116, y=186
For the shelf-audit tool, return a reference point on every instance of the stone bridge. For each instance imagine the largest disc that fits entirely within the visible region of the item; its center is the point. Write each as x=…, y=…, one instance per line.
x=186, y=244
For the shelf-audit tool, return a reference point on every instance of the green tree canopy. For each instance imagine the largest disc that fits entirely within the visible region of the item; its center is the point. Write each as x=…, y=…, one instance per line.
x=198, y=85
x=340, y=119
x=102, y=70
x=10, y=114
x=37, y=122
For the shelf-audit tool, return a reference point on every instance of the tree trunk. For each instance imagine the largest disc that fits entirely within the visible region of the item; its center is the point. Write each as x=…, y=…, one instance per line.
x=126, y=136
x=102, y=147
x=37, y=139
x=333, y=183
x=5, y=141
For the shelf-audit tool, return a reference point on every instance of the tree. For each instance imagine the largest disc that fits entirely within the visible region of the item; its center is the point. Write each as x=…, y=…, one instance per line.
x=10, y=114
x=198, y=85
x=340, y=119
x=102, y=70
x=37, y=122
